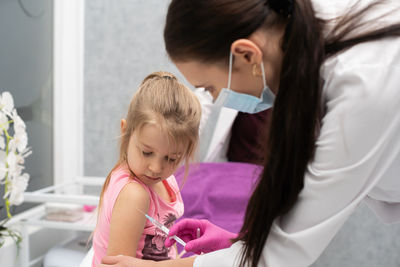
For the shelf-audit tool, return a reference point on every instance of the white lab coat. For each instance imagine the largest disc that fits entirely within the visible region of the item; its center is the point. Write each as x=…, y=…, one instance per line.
x=215, y=129
x=357, y=152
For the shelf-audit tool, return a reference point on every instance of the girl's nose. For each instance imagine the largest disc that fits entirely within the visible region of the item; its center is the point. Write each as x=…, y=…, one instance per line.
x=155, y=167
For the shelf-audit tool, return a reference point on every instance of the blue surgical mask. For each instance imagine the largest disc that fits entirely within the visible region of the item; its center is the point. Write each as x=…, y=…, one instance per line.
x=244, y=102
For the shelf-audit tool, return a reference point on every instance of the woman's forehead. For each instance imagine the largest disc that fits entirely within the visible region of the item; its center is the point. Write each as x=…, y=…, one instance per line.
x=199, y=74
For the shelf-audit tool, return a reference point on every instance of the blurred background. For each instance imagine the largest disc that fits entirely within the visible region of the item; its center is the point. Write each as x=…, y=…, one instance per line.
x=122, y=43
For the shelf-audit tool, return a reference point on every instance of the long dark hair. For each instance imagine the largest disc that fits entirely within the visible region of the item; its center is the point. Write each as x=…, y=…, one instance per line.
x=204, y=31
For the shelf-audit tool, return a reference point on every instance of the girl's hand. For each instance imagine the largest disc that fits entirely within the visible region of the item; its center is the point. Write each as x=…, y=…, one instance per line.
x=200, y=236
x=125, y=261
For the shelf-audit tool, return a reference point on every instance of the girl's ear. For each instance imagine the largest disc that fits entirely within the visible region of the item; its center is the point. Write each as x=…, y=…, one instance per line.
x=123, y=126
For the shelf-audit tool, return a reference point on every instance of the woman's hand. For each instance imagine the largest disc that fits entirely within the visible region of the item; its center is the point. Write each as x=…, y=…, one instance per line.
x=200, y=236
x=125, y=261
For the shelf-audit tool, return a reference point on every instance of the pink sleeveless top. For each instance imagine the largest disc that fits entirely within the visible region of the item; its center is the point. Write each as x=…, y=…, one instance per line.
x=151, y=244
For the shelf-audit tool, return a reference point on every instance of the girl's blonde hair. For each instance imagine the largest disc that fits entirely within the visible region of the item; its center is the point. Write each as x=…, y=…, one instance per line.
x=163, y=101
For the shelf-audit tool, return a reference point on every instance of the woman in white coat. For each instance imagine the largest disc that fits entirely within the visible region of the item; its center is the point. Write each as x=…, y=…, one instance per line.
x=334, y=139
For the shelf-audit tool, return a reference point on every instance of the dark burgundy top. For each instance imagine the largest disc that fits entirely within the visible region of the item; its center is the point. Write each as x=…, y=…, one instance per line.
x=248, y=137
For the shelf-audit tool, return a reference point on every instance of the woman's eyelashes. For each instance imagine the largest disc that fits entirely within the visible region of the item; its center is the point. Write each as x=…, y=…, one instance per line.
x=210, y=89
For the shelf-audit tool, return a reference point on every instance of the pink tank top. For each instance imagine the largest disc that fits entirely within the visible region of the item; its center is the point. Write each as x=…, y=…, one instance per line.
x=151, y=244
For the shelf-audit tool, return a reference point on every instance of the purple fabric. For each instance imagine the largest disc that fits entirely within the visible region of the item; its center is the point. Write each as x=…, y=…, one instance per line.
x=218, y=192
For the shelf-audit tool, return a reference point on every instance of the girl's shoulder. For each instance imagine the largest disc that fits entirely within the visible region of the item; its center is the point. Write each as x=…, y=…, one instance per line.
x=121, y=175
x=134, y=192
x=131, y=193
x=123, y=184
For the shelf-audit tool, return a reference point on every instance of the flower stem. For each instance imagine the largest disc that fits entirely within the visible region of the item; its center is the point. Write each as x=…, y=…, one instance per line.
x=8, y=208
x=5, y=131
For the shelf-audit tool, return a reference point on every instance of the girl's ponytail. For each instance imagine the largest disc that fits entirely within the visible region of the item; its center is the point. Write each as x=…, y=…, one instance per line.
x=159, y=75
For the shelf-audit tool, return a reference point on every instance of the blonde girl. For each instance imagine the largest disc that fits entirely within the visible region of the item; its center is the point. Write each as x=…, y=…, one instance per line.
x=159, y=132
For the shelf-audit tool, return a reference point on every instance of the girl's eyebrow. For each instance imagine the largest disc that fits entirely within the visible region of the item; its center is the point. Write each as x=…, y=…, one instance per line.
x=149, y=147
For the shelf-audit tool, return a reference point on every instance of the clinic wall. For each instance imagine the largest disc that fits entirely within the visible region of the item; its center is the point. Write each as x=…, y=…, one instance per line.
x=123, y=43
x=363, y=241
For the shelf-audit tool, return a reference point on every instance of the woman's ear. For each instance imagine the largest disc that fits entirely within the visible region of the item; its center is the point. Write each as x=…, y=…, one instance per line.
x=246, y=52
x=123, y=126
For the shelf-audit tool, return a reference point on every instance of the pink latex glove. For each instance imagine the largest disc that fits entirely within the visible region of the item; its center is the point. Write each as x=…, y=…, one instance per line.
x=209, y=238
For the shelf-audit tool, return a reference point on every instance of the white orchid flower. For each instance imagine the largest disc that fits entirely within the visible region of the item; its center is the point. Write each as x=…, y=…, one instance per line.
x=6, y=102
x=3, y=171
x=15, y=162
x=19, y=124
x=3, y=168
x=2, y=156
x=2, y=143
x=26, y=153
x=4, y=125
x=20, y=141
x=16, y=189
x=13, y=151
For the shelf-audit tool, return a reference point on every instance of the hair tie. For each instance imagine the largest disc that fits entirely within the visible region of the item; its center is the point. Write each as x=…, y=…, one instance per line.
x=167, y=77
x=282, y=7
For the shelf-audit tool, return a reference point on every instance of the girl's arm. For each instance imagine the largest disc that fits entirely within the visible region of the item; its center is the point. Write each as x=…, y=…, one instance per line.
x=127, y=222
x=123, y=261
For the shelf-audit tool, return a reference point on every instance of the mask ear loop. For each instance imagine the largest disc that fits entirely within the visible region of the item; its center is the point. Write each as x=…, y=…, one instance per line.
x=230, y=70
x=263, y=74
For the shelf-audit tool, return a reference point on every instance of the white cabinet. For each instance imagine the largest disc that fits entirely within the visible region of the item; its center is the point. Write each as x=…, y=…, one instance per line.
x=81, y=192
